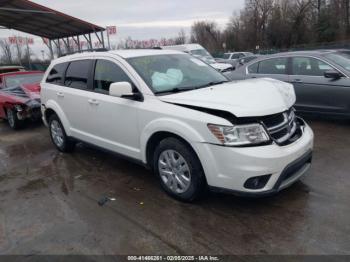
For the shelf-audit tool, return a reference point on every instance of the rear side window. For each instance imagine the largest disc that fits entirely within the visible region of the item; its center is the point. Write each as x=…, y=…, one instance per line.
x=106, y=73
x=273, y=66
x=56, y=74
x=77, y=74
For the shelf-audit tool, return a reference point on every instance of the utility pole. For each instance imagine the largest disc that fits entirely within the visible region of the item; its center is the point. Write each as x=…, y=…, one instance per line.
x=109, y=43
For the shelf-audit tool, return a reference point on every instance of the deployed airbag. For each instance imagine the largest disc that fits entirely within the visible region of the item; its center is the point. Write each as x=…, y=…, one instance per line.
x=164, y=81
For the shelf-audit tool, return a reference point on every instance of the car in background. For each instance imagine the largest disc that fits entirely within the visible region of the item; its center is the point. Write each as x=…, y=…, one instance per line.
x=201, y=53
x=8, y=69
x=15, y=79
x=247, y=59
x=20, y=97
x=320, y=78
x=236, y=55
x=241, y=61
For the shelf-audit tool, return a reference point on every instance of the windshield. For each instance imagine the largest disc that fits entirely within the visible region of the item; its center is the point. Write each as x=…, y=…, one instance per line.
x=340, y=58
x=226, y=56
x=175, y=73
x=18, y=80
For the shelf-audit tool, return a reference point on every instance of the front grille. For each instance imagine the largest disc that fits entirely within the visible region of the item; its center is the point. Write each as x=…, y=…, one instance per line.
x=283, y=127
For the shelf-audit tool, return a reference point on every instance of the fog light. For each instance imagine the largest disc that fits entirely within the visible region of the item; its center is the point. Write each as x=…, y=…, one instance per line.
x=257, y=182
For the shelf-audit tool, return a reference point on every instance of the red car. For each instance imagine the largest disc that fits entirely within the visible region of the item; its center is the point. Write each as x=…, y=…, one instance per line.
x=20, y=97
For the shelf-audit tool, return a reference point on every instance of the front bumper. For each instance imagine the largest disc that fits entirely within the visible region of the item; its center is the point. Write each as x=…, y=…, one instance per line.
x=33, y=113
x=292, y=173
x=228, y=168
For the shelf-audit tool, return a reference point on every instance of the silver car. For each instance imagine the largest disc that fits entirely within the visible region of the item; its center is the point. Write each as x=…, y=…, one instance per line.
x=320, y=78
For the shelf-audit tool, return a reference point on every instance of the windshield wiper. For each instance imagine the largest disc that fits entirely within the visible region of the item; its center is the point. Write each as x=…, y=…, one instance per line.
x=174, y=90
x=179, y=89
x=212, y=84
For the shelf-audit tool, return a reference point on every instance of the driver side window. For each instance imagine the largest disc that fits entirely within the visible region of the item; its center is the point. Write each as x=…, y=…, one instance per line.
x=309, y=66
x=106, y=73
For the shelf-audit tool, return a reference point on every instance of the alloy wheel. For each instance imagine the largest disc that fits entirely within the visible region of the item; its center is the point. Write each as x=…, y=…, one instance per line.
x=174, y=171
x=57, y=133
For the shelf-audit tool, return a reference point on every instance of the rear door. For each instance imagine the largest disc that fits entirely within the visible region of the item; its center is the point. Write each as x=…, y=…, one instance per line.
x=314, y=92
x=276, y=68
x=74, y=95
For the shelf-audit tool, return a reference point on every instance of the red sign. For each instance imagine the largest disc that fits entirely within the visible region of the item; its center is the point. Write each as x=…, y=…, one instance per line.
x=111, y=30
x=21, y=40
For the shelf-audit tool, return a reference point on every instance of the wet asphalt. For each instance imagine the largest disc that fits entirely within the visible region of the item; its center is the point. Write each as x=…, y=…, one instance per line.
x=49, y=204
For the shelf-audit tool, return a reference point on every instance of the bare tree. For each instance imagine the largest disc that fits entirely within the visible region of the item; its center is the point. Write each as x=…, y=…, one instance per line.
x=208, y=35
x=285, y=23
x=181, y=38
x=19, y=50
x=6, y=50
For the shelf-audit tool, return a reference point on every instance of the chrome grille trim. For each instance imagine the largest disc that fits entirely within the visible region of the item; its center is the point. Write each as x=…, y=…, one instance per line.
x=288, y=125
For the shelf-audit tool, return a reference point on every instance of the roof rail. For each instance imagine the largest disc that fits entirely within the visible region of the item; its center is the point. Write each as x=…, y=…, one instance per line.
x=86, y=50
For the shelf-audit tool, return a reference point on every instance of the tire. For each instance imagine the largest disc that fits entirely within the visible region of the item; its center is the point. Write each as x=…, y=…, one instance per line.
x=183, y=178
x=13, y=120
x=58, y=135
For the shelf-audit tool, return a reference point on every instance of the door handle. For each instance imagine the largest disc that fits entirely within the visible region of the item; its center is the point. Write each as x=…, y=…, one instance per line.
x=60, y=94
x=93, y=102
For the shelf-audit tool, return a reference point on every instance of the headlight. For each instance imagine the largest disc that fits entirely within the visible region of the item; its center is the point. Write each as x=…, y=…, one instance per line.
x=239, y=135
x=18, y=108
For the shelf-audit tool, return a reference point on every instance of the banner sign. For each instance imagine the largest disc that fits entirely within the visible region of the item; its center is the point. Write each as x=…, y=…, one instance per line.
x=21, y=40
x=111, y=30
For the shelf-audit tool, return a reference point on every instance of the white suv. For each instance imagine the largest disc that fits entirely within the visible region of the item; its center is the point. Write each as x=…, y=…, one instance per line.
x=180, y=117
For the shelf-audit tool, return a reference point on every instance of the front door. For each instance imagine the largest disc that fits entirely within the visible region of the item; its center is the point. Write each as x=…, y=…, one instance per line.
x=316, y=93
x=114, y=120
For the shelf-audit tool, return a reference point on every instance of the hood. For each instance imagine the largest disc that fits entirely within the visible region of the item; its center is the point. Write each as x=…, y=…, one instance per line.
x=248, y=98
x=25, y=94
x=32, y=90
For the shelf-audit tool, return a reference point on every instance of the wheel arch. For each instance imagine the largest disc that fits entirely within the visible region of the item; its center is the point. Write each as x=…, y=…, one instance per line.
x=160, y=129
x=52, y=107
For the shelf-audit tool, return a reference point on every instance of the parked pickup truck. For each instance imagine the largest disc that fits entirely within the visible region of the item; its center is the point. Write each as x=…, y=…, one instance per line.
x=181, y=118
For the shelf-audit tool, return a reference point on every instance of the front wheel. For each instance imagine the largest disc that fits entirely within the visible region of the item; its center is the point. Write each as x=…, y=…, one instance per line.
x=12, y=119
x=179, y=170
x=59, y=136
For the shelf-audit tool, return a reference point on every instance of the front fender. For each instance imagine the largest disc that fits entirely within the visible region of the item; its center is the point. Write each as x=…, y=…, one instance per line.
x=177, y=127
x=53, y=105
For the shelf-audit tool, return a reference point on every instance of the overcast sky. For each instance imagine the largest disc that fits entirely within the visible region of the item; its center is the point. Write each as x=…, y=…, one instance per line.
x=145, y=19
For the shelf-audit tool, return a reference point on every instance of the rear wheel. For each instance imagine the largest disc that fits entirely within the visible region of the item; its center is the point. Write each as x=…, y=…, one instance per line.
x=59, y=136
x=179, y=170
x=12, y=119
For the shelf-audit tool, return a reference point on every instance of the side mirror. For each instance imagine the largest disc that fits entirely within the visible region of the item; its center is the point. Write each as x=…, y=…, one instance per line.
x=333, y=74
x=120, y=89
x=124, y=90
